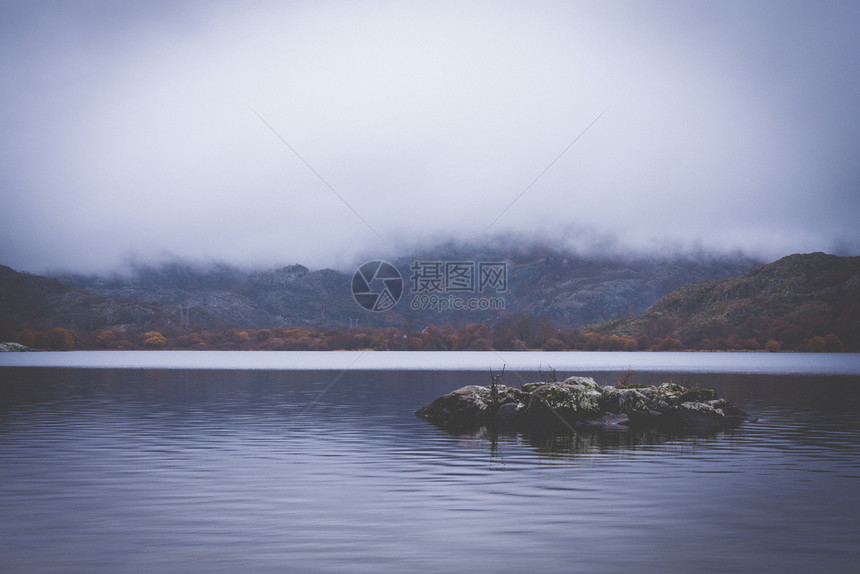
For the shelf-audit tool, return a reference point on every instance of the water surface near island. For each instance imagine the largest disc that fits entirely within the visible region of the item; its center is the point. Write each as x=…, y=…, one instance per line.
x=267, y=470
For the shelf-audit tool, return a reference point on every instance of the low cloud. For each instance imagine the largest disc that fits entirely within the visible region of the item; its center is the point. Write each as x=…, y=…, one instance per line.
x=268, y=133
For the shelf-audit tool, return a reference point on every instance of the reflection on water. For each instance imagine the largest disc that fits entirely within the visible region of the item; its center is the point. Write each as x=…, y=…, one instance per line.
x=585, y=442
x=267, y=471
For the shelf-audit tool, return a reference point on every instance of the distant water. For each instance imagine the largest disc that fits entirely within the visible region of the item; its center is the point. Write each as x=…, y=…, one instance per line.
x=570, y=362
x=221, y=470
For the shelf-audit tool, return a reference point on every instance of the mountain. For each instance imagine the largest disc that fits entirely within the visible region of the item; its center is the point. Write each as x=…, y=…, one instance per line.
x=40, y=303
x=574, y=291
x=794, y=299
x=228, y=296
x=806, y=302
x=31, y=301
x=569, y=289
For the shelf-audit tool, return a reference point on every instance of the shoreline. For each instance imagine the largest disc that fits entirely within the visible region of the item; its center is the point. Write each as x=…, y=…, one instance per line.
x=533, y=361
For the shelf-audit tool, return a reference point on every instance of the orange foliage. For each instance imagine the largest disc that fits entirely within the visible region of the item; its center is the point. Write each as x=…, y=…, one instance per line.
x=154, y=340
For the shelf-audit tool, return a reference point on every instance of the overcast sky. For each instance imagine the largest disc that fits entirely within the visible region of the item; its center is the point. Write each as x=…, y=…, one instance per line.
x=268, y=133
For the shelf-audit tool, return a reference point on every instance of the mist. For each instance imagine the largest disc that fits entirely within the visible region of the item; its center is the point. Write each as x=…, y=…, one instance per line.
x=270, y=133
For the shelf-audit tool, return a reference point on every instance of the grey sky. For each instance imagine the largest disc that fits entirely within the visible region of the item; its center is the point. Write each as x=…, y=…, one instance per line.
x=131, y=129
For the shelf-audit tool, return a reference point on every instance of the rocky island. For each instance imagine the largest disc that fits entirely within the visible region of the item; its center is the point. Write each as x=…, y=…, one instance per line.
x=579, y=403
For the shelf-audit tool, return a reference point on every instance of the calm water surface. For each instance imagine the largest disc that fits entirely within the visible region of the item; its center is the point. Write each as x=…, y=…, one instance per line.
x=148, y=470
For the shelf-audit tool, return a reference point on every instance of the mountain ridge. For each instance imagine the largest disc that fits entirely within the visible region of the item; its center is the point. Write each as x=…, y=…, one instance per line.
x=569, y=288
x=799, y=302
x=784, y=301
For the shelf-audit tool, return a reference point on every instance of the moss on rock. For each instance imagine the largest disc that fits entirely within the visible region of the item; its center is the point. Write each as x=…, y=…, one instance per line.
x=579, y=401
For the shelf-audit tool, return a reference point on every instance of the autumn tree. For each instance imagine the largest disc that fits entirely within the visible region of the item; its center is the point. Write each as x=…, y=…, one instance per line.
x=431, y=339
x=59, y=339
x=154, y=340
x=671, y=344
x=833, y=344
x=817, y=344
x=772, y=346
x=592, y=341
x=105, y=338
x=519, y=345
x=628, y=343
x=554, y=344
x=752, y=345
x=26, y=338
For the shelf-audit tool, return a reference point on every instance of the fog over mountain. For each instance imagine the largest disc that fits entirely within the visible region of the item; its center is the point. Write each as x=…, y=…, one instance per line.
x=262, y=133
x=435, y=286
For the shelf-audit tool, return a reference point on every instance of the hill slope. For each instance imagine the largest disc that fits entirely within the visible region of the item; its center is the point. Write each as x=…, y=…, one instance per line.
x=39, y=303
x=790, y=301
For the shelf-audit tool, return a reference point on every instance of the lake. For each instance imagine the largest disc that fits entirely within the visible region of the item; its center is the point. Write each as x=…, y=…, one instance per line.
x=271, y=462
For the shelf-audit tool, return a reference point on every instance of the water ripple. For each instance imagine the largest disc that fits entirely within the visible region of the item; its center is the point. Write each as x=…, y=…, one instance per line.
x=171, y=471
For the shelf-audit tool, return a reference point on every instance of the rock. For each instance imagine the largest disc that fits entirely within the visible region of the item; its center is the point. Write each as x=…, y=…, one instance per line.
x=14, y=347
x=708, y=414
x=559, y=407
x=693, y=395
x=529, y=387
x=587, y=382
x=608, y=421
x=508, y=413
x=649, y=418
x=471, y=406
